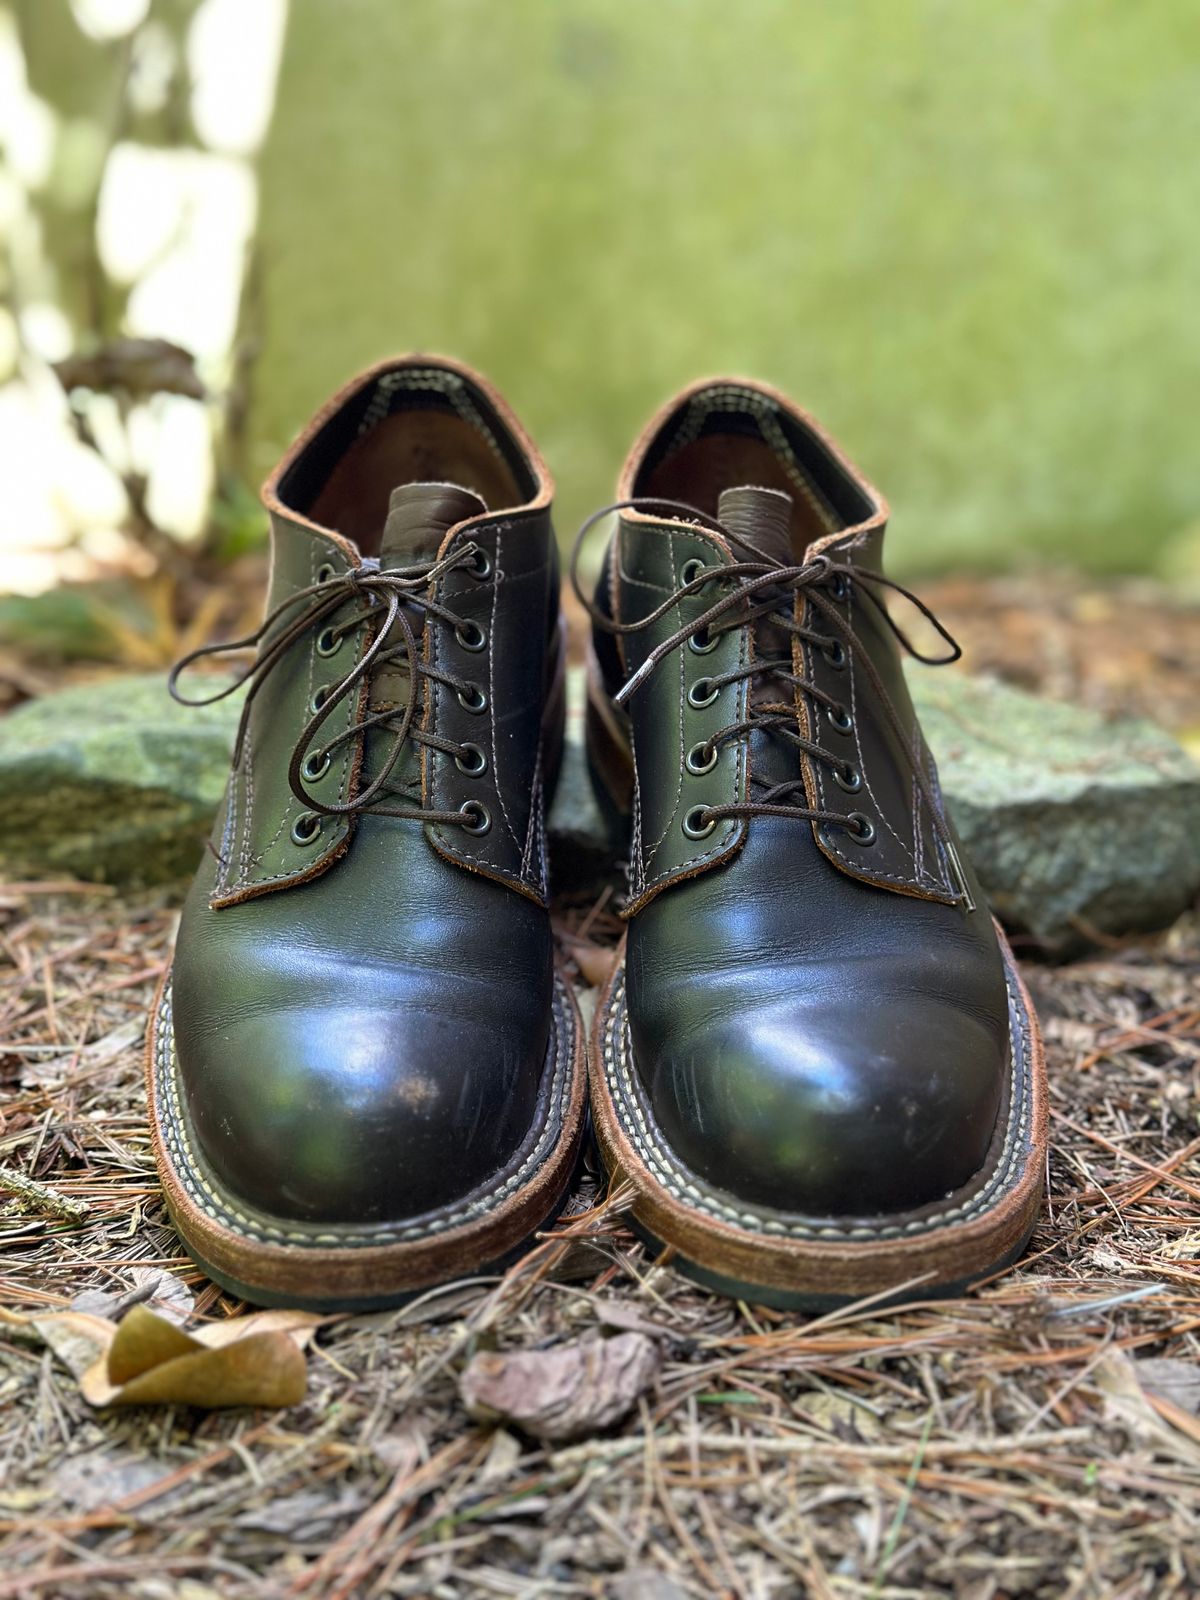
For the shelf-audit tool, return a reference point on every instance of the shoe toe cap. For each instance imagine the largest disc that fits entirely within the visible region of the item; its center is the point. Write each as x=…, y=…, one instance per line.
x=832, y=1110
x=338, y=1113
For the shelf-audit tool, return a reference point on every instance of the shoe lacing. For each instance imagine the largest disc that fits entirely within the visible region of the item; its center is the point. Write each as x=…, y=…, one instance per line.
x=398, y=591
x=758, y=588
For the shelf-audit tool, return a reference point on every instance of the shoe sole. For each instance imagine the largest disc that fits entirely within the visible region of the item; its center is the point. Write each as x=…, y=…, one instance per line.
x=274, y=1261
x=792, y=1261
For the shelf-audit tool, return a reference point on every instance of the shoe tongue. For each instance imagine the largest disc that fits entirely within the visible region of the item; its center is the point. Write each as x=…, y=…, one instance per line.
x=419, y=517
x=764, y=517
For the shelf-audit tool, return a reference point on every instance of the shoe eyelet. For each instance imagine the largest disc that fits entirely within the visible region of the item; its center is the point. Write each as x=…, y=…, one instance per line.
x=702, y=693
x=695, y=827
x=472, y=761
x=313, y=768
x=480, y=565
x=848, y=778
x=860, y=828
x=701, y=758
x=477, y=819
x=471, y=636
x=840, y=719
x=835, y=653
x=472, y=698
x=319, y=698
x=329, y=642
x=839, y=586
x=306, y=828
x=326, y=572
x=701, y=646
x=690, y=570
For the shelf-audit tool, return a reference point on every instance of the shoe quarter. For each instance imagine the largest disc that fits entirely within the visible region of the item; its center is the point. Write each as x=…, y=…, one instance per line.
x=513, y=607
x=257, y=851
x=668, y=716
x=907, y=854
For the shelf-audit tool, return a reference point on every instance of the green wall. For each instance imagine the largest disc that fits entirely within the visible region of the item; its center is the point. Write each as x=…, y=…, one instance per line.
x=966, y=233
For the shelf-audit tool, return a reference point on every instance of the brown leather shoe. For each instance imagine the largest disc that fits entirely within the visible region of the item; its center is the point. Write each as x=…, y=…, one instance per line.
x=365, y=1074
x=816, y=1061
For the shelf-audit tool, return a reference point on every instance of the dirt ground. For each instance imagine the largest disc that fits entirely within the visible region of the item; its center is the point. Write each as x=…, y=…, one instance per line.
x=1039, y=1437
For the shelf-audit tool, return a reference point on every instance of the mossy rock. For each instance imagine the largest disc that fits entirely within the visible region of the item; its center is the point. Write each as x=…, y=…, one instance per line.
x=112, y=781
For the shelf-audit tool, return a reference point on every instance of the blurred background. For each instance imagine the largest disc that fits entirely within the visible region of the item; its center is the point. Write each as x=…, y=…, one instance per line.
x=966, y=237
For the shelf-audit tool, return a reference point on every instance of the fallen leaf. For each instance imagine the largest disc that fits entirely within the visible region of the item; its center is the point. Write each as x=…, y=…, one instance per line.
x=1160, y=1423
x=645, y=1583
x=564, y=1393
x=309, y=1512
x=144, y=1359
x=77, y=1338
x=1174, y=1380
x=162, y=1291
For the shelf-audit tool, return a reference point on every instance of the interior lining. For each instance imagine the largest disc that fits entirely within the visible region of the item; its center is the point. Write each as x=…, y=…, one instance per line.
x=411, y=425
x=726, y=437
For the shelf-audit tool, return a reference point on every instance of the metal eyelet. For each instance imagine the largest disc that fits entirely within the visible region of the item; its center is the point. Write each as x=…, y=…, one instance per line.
x=697, y=696
x=690, y=571
x=472, y=698
x=472, y=761
x=314, y=767
x=839, y=586
x=306, y=828
x=848, y=778
x=711, y=641
x=471, y=636
x=840, y=719
x=482, y=818
x=861, y=829
x=481, y=564
x=694, y=827
x=329, y=642
x=835, y=653
x=319, y=698
x=326, y=572
x=701, y=758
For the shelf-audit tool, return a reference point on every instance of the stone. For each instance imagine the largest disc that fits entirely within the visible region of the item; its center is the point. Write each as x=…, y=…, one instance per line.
x=112, y=781
x=1079, y=826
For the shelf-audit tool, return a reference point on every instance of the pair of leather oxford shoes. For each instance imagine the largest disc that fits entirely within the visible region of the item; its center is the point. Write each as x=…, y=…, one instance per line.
x=815, y=1063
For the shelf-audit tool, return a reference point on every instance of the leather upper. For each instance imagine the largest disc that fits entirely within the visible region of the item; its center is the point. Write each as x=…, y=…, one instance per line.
x=818, y=1019
x=362, y=1002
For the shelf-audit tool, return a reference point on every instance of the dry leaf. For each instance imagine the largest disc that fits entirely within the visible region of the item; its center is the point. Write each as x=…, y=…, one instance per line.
x=565, y=1393
x=161, y=1291
x=1174, y=1380
x=1160, y=1423
x=145, y=1360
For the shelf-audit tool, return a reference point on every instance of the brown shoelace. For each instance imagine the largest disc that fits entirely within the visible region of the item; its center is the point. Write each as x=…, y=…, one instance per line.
x=763, y=588
x=397, y=591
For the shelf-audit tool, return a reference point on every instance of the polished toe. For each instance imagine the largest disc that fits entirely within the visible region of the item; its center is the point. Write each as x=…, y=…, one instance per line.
x=811, y=1068
x=327, y=1085
x=822, y=1109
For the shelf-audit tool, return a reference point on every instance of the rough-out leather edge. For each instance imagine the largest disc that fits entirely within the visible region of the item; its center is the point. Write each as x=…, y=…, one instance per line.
x=948, y=1241
x=332, y=1263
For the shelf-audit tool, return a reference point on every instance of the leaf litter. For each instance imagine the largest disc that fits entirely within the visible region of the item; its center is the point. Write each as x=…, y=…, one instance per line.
x=1039, y=1437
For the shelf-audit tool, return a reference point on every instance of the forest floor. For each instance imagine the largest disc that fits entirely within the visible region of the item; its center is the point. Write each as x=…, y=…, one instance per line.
x=1037, y=1437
